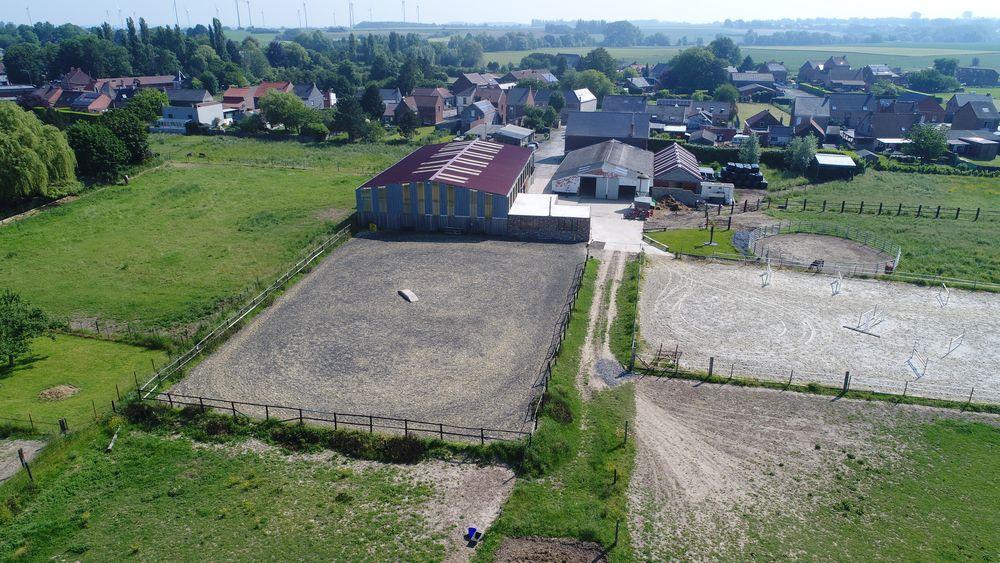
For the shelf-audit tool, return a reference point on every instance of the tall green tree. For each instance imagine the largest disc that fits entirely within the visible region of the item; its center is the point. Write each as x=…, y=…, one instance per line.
x=725, y=49
x=131, y=130
x=20, y=323
x=927, y=142
x=695, y=68
x=557, y=101
x=371, y=102
x=350, y=118
x=148, y=104
x=35, y=159
x=750, y=150
x=946, y=66
x=800, y=152
x=285, y=109
x=408, y=123
x=600, y=60
x=726, y=93
x=99, y=154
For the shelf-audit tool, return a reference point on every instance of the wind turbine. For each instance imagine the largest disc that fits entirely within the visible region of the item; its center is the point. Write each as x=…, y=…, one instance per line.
x=28, y=9
x=238, y=23
x=249, y=15
x=305, y=15
x=350, y=15
x=418, y=13
x=188, y=12
x=298, y=13
x=404, y=11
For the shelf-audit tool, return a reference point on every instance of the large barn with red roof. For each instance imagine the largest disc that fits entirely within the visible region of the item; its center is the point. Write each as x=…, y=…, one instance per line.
x=466, y=186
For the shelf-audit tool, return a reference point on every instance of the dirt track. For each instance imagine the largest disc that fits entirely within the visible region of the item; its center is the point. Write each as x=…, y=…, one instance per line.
x=9, y=462
x=713, y=459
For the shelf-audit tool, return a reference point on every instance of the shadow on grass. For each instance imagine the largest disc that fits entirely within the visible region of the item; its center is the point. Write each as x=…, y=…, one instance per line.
x=6, y=371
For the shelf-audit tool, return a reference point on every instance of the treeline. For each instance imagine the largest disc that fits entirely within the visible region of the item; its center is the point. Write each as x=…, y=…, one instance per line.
x=872, y=30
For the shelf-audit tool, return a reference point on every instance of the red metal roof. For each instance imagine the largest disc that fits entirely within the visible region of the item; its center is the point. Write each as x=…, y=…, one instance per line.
x=479, y=165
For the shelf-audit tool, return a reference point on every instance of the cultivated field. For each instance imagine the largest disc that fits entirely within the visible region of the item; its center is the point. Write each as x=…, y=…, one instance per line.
x=342, y=340
x=735, y=473
x=908, y=57
x=721, y=311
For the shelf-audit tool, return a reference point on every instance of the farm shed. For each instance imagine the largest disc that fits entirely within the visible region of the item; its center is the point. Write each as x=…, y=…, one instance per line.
x=826, y=165
x=542, y=217
x=609, y=170
x=675, y=167
x=465, y=185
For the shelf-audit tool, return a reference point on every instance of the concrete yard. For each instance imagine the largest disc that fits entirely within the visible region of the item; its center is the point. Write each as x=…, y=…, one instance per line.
x=467, y=353
x=796, y=323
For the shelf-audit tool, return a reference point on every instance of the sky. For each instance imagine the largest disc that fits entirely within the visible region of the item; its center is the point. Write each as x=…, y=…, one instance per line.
x=322, y=13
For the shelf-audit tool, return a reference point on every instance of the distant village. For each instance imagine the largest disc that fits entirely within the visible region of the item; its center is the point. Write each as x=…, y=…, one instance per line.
x=841, y=106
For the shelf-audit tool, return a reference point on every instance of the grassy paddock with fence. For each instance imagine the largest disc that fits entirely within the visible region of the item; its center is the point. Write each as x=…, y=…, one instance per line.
x=69, y=377
x=626, y=305
x=943, y=246
x=692, y=241
x=239, y=503
x=180, y=241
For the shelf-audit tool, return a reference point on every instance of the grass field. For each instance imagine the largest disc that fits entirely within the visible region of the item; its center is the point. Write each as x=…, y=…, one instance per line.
x=692, y=241
x=157, y=498
x=92, y=366
x=168, y=248
x=905, y=56
x=745, y=110
x=962, y=249
x=942, y=502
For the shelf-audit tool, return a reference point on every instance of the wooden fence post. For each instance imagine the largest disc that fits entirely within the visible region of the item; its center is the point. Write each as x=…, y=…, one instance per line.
x=847, y=381
x=169, y=398
x=958, y=211
x=371, y=426
x=406, y=428
x=441, y=431
x=824, y=205
x=978, y=209
x=919, y=209
x=899, y=210
x=879, y=208
x=711, y=365
x=482, y=436
x=118, y=393
x=31, y=421
x=233, y=405
x=94, y=405
x=24, y=463
x=861, y=208
x=301, y=422
x=843, y=205
x=804, y=204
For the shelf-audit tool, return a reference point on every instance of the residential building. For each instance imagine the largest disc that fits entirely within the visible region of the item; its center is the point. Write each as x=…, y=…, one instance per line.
x=746, y=78
x=496, y=96
x=430, y=108
x=640, y=84
x=926, y=105
x=658, y=74
x=3, y=75
x=624, y=103
x=518, y=102
x=844, y=79
x=186, y=97
x=847, y=109
x=775, y=69
x=514, y=135
x=544, y=76
x=590, y=128
x=576, y=100
x=473, y=80
x=877, y=125
x=606, y=170
x=76, y=81
x=811, y=72
x=756, y=93
x=879, y=73
x=980, y=114
x=960, y=99
x=310, y=95
x=239, y=99
x=262, y=90
x=389, y=95
x=978, y=145
x=810, y=108
x=977, y=76
x=162, y=82
x=759, y=122
x=90, y=102
x=176, y=118
x=467, y=186
x=447, y=98
x=478, y=113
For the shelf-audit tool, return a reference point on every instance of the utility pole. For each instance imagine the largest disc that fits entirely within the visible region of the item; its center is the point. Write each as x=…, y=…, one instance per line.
x=305, y=15
x=238, y=23
x=249, y=15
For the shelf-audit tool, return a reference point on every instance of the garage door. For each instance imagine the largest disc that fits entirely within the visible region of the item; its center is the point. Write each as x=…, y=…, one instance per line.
x=626, y=192
x=588, y=186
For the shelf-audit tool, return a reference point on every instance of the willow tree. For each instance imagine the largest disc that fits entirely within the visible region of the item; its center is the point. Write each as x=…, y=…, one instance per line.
x=35, y=159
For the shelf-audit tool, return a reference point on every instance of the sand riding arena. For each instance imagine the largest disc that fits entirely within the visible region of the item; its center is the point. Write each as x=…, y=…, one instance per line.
x=928, y=341
x=821, y=247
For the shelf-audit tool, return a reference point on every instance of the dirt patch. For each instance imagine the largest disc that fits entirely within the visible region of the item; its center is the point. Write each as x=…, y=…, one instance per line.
x=58, y=393
x=804, y=247
x=713, y=459
x=465, y=494
x=531, y=549
x=332, y=214
x=9, y=462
